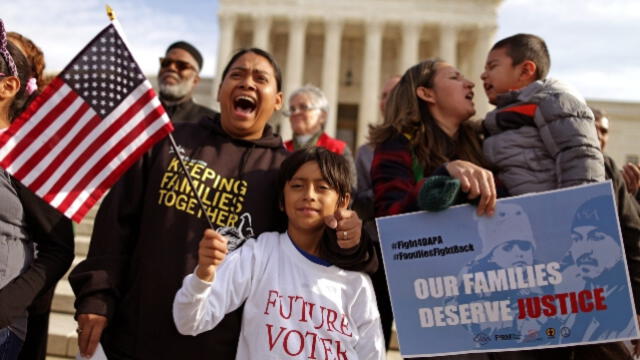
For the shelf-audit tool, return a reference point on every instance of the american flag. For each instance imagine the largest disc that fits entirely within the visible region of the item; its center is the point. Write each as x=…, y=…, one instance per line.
x=94, y=120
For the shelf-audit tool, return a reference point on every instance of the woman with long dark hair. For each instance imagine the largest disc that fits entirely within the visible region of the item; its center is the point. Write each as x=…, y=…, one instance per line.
x=428, y=155
x=427, y=131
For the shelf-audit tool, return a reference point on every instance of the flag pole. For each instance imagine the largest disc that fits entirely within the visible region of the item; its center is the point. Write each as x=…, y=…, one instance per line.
x=112, y=17
x=174, y=146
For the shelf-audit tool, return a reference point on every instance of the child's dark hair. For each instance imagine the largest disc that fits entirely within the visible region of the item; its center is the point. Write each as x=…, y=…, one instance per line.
x=333, y=167
x=522, y=47
x=24, y=74
x=276, y=68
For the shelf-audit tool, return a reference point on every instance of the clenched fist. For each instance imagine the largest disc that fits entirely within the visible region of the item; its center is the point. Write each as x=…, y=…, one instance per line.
x=211, y=252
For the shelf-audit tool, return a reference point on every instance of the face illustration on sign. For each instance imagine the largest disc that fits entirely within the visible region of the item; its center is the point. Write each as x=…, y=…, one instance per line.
x=594, y=248
x=591, y=251
x=512, y=254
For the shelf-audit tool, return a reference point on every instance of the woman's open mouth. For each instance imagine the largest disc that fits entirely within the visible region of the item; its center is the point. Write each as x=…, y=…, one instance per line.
x=244, y=105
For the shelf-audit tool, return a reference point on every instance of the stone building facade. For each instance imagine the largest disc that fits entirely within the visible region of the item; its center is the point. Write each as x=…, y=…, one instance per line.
x=349, y=48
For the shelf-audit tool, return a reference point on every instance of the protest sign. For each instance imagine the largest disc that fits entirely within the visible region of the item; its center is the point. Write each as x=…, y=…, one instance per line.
x=545, y=270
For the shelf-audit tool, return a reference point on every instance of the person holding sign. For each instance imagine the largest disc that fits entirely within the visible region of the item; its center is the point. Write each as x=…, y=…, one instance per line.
x=427, y=132
x=427, y=139
x=297, y=304
x=541, y=137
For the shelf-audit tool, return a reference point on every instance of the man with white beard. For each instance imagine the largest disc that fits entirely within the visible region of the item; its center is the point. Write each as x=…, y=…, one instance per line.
x=177, y=79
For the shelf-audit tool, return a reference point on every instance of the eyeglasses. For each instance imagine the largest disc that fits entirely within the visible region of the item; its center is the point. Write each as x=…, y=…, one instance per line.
x=180, y=65
x=302, y=108
x=523, y=245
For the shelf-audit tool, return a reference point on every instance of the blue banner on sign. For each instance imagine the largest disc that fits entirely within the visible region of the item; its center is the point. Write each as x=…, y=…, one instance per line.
x=545, y=270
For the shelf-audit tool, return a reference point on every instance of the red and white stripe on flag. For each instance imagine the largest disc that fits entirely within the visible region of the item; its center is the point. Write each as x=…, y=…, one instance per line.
x=86, y=128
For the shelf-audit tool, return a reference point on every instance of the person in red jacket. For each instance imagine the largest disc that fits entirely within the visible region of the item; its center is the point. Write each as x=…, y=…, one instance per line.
x=308, y=112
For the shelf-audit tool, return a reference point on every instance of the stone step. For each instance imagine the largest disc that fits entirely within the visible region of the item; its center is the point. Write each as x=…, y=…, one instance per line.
x=82, y=245
x=75, y=262
x=63, y=298
x=63, y=341
x=84, y=228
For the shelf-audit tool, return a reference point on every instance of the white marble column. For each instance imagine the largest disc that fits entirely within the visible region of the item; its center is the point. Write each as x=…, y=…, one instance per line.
x=295, y=66
x=331, y=70
x=483, y=41
x=448, y=44
x=410, y=46
x=262, y=32
x=370, y=87
x=227, y=24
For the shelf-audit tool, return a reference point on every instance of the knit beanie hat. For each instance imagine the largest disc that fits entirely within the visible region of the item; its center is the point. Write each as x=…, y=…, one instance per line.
x=188, y=48
x=598, y=212
x=509, y=222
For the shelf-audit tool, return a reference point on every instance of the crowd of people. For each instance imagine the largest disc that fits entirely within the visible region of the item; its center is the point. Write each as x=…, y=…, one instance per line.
x=290, y=270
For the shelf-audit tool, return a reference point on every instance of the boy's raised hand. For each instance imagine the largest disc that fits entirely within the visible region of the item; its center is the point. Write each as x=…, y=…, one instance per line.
x=211, y=252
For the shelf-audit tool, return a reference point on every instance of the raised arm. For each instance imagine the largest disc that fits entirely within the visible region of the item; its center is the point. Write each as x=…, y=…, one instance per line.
x=219, y=284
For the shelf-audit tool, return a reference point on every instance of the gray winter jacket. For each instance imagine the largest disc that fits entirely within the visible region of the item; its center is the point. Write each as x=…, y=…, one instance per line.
x=542, y=137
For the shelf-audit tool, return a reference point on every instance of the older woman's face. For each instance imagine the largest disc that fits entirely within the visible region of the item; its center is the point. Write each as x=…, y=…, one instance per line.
x=248, y=97
x=305, y=118
x=451, y=98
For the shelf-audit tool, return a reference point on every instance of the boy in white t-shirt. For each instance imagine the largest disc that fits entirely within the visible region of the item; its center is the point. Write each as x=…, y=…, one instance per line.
x=297, y=305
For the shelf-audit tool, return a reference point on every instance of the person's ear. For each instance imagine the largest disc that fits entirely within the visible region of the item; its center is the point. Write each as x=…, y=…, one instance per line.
x=9, y=87
x=219, y=88
x=323, y=118
x=279, y=100
x=528, y=71
x=196, y=80
x=426, y=94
